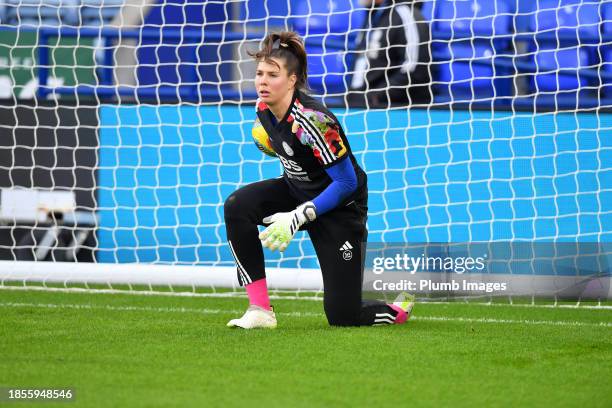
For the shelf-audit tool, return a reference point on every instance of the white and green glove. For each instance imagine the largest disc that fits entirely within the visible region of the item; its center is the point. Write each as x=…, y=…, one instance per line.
x=284, y=226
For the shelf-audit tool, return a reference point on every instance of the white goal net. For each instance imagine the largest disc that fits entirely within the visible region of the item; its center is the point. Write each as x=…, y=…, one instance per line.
x=124, y=126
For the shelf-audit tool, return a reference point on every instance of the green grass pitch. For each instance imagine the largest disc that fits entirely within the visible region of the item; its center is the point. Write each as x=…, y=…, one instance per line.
x=161, y=351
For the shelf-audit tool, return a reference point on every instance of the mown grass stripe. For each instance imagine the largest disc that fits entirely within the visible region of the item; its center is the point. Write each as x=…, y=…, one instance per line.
x=293, y=314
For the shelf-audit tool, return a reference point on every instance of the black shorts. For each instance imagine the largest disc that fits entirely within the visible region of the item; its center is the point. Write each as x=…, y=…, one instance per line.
x=338, y=236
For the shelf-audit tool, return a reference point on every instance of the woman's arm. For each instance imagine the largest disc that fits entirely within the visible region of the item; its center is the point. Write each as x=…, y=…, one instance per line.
x=344, y=183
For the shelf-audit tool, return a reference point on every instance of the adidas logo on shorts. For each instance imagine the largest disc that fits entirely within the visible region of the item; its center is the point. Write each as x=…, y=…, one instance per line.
x=346, y=246
x=346, y=251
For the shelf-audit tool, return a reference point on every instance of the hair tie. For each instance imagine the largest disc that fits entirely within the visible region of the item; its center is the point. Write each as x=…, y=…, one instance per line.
x=278, y=43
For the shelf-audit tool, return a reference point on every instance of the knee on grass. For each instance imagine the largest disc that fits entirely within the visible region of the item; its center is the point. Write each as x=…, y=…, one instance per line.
x=343, y=318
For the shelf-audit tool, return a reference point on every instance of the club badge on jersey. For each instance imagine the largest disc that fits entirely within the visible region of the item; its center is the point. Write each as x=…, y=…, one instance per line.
x=287, y=148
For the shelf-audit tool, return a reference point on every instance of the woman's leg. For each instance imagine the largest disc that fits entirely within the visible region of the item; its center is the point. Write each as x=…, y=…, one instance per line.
x=339, y=238
x=244, y=210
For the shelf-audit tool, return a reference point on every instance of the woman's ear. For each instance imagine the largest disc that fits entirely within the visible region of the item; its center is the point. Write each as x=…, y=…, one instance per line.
x=292, y=80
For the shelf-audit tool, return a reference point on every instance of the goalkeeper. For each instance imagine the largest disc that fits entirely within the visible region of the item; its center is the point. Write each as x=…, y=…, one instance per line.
x=323, y=191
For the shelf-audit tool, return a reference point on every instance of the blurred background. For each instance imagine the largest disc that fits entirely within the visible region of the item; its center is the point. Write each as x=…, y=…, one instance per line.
x=555, y=51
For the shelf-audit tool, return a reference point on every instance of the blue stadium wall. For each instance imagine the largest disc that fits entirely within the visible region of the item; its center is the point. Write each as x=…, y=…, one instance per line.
x=470, y=176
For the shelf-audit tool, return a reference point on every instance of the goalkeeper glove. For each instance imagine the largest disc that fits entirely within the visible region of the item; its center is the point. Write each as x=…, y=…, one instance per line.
x=284, y=226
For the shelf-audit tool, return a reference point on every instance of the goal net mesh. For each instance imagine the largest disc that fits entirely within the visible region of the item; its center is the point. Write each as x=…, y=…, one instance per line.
x=128, y=124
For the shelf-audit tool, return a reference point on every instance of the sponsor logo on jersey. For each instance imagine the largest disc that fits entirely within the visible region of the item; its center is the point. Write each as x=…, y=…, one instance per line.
x=291, y=166
x=293, y=170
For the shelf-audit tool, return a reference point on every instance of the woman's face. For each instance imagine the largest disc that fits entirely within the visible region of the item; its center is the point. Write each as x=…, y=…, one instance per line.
x=273, y=83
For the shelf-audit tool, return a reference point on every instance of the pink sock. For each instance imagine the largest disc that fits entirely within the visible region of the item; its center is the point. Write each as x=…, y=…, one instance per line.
x=258, y=293
x=401, y=314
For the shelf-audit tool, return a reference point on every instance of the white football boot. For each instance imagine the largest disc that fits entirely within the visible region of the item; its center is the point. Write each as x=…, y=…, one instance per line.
x=255, y=317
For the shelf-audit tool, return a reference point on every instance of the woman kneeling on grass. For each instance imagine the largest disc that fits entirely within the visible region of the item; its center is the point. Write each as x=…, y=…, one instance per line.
x=323, y=191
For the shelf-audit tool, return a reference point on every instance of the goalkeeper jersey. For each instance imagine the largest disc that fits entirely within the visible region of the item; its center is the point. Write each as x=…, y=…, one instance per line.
x=307, y=140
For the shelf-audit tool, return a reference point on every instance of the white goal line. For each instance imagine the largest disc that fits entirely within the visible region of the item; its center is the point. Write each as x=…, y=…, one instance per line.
x=278, y=296
x=294, y=314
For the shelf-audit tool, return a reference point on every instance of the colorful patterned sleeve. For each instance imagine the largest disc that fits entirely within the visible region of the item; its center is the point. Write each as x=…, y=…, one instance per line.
x=321, y=133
